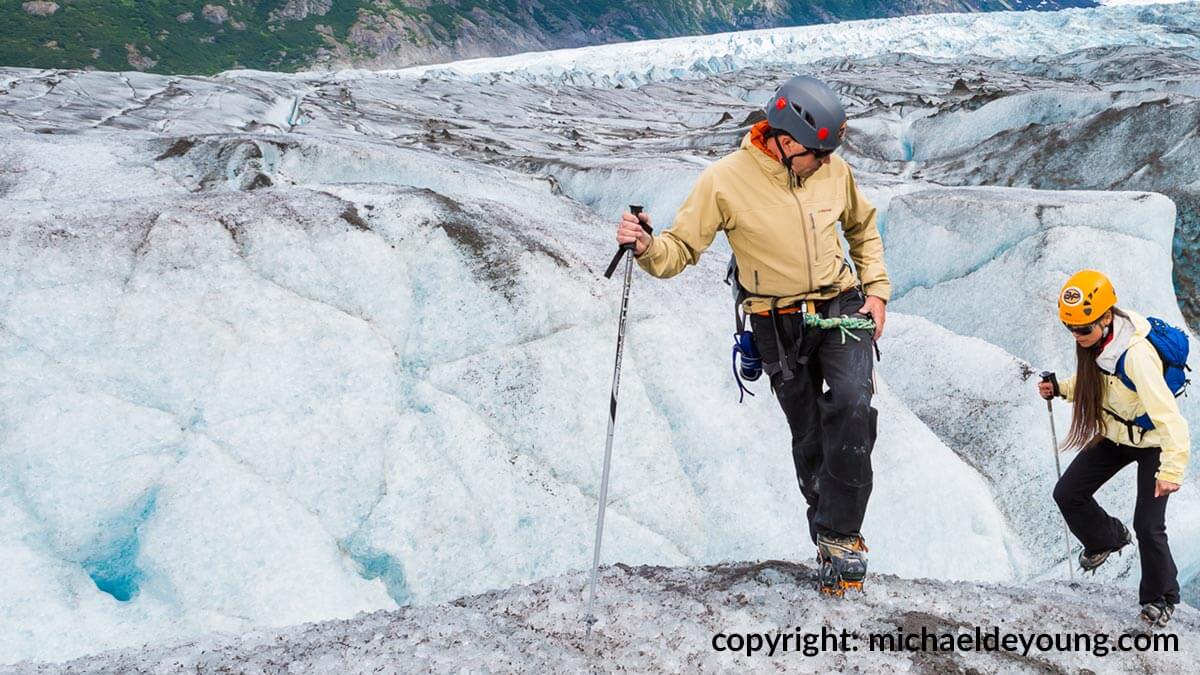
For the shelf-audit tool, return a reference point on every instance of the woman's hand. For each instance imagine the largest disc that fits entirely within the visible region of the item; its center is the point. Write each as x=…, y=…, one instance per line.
x=1046, y=391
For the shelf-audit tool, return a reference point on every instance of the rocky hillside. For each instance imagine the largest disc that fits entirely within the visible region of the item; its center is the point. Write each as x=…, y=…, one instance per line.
x=178, y=36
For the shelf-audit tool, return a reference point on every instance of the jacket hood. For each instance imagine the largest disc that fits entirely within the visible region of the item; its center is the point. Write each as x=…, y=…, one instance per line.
x=1127, y=332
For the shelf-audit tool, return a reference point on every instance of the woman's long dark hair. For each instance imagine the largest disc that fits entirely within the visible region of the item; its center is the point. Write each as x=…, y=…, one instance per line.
x=1087, y=417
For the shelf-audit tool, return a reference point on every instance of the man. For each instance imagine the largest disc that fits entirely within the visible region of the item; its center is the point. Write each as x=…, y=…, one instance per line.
x=779, y=199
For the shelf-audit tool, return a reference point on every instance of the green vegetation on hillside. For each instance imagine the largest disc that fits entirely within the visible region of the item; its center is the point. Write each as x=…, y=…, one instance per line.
x=95, y=33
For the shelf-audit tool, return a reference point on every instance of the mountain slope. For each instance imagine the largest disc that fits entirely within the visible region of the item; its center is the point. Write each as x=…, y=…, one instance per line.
x=173, y=36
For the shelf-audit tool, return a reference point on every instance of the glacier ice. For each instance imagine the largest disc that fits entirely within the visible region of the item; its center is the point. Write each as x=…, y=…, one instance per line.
x=278, y=348
x=1025, y=35
x=980, y=223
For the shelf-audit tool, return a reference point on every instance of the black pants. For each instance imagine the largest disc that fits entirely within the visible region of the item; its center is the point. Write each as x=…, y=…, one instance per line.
x=1098, y=531
x=833, y=432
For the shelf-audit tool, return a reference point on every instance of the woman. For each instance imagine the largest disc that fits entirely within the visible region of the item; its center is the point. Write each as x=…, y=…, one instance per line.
x=1110, y=342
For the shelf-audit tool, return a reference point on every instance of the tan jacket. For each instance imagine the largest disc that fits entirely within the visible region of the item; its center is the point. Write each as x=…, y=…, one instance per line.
x=785, y=238
x=1144, y=367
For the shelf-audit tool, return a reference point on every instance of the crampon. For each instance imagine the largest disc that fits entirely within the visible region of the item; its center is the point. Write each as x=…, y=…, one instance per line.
x=842, y=564
x=1089, y=562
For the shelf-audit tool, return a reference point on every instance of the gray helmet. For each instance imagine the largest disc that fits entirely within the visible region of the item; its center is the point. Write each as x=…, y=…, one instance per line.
x=808, y=111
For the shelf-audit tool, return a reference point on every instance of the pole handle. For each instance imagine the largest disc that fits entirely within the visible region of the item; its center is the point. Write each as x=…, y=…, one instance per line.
x=1050, y=377
x=635, y=209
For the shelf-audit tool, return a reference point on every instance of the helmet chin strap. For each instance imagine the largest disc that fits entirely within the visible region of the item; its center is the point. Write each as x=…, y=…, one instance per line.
x=785, y=158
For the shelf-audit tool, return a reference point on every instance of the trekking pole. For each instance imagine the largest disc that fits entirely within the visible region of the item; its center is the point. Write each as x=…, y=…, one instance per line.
x=1048, y=376
x=612, y=411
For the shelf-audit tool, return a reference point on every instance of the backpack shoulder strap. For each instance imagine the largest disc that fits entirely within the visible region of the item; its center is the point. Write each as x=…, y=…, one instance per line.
x=1120, y=372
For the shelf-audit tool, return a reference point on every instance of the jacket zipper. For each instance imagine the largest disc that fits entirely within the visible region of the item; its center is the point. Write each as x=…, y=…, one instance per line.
x=812, y=252
x=807, y=247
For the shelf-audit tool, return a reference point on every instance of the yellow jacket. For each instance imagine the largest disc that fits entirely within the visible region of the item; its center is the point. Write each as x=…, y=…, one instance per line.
x=1145, y=369
x=785, y=237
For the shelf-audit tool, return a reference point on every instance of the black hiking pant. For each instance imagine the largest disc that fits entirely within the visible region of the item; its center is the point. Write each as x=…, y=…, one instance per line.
x=1098, y=531
x=833, y=430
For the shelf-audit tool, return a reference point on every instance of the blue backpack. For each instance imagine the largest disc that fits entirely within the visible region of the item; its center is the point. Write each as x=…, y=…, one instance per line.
x=1172, y=346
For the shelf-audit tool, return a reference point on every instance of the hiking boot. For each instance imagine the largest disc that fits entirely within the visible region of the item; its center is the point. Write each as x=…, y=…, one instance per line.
x=1157, y=613
x=842, y=564
x=1090, y=561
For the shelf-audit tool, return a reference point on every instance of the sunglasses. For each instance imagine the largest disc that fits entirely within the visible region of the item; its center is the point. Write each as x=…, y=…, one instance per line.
x=1082, y=330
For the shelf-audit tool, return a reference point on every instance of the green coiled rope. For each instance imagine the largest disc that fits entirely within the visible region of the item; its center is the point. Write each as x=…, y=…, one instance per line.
x=843, y=323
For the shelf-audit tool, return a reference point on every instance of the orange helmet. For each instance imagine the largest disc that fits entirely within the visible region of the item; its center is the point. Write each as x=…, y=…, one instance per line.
x=1085, y=297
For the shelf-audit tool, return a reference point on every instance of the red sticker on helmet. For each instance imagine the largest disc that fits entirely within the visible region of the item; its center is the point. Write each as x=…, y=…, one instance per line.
x=822, y=133
x=781, y=103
